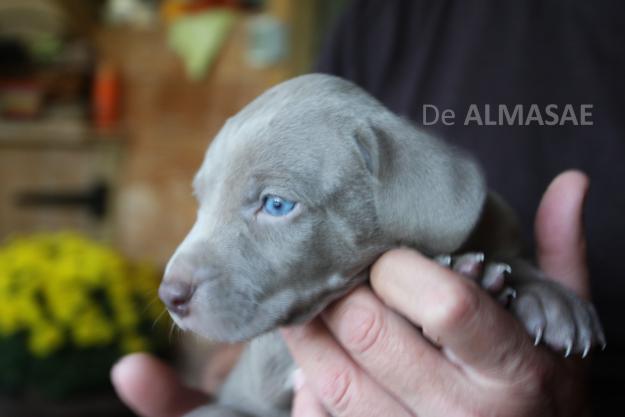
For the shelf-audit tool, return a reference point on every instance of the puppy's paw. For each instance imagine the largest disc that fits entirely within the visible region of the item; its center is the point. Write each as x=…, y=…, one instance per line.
x=551, y=313
x=491, y=276
x=558, y=317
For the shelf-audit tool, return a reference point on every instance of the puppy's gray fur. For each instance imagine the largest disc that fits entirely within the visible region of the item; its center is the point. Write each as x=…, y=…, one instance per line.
x=364, y=181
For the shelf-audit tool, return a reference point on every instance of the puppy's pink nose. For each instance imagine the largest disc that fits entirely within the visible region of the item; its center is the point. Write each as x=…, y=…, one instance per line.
x=176, y=296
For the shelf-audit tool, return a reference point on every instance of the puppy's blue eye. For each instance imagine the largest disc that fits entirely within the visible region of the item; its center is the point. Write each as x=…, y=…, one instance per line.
x=277, y=206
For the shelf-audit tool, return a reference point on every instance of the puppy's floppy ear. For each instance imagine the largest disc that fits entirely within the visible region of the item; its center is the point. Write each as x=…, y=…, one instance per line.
x=428, y=194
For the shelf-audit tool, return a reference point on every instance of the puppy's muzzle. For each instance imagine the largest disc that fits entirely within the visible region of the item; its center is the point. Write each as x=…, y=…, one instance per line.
x=176, y=295
x=180, y=283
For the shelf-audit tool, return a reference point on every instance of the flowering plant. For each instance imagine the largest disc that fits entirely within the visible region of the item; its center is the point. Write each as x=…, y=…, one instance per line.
x=69, y=307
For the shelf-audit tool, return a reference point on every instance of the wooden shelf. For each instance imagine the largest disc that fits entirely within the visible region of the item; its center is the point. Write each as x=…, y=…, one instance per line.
x=54, y=134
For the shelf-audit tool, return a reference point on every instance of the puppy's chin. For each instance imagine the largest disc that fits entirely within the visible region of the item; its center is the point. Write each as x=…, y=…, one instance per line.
x=238, y=319
x=226, y=328
x=229, y=327
x=224, y=331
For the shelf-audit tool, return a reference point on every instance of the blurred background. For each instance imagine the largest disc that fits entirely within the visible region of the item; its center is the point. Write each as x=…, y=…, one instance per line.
x=106, y=110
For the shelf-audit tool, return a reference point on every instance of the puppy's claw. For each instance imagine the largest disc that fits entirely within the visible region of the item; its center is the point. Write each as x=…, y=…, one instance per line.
x=443, y=260
x=469, y=265
x=569, y=349
x=598, y=329
x=507, y=295
x=495, y=277
x=539, y=336
x=473, y=257
x=586, y=350
x=510, y=292
x=602, y=340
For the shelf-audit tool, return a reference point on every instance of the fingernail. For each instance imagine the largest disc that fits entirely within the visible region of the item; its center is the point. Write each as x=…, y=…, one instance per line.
x=297, y=379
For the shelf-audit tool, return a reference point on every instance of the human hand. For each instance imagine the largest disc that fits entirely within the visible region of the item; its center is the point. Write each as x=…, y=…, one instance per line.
x=364, y=357
x=151, y=388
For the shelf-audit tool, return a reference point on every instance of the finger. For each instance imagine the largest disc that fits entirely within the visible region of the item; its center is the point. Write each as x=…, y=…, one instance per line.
x=343, y=388
x=152, y=389
x=390, y=350
x=305, y=403
x=559, y=231
x=476, y=332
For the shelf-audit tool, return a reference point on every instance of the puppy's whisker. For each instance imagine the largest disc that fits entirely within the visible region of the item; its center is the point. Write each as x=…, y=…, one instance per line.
x=160, y=316
x=150, y=304
x=172, y=331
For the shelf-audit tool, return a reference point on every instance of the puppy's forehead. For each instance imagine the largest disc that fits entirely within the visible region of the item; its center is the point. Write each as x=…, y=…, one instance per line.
x=298, y=132
x=267, y=148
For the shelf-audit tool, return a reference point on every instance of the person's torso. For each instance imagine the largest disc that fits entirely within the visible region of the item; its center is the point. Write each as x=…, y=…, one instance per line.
x=455, y=54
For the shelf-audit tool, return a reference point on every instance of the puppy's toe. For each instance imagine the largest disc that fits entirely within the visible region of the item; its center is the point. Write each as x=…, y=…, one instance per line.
x=469, y=265
x=494, y=277
x=529, y=310
x=584, y=325
x=561, y=329
x=506, y=296
x=444, y=260
x=597, y=329
x=557, y=317
x=589, y=330
x=491, y=276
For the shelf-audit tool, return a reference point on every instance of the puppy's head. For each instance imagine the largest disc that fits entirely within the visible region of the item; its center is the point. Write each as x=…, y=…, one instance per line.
x=297, y=195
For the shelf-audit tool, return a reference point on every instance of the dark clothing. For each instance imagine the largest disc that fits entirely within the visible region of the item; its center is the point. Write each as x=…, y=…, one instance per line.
x=453, y=54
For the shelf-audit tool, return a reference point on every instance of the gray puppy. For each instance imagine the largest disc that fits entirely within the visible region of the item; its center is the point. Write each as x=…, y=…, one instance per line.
x=298, y=195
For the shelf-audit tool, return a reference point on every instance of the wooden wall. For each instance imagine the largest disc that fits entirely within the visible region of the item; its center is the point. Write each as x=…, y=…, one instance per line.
x=169, y=122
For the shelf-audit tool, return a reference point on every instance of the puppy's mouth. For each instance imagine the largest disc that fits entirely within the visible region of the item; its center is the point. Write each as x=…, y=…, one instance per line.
x=222, y=312
x=227, y=314
x=178, y=321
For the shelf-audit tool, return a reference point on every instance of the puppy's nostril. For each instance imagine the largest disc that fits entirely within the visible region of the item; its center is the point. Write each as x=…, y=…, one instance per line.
x=176, y=296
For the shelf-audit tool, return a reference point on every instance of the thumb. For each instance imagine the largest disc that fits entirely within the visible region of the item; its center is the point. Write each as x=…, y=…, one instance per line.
x=152, y=389
x=560, y=238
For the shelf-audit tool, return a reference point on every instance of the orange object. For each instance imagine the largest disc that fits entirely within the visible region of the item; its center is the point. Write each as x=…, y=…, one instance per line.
x=106, y=96
x=173, y=9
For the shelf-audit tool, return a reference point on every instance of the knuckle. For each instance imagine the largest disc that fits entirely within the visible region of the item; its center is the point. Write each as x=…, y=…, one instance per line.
x=534, y=377
x=337, y=390
x=538, y=377
x=365, y=329
x=457, y=308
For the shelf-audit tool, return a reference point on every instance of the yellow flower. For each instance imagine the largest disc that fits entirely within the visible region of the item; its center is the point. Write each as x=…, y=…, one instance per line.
x=65, y=305
x=9, y=318
x=58, y=285
x=28, y=310
x=44, y=338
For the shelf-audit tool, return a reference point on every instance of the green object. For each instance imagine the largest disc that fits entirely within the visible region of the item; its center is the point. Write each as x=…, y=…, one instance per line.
x=45, y=48
x=198, y=38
